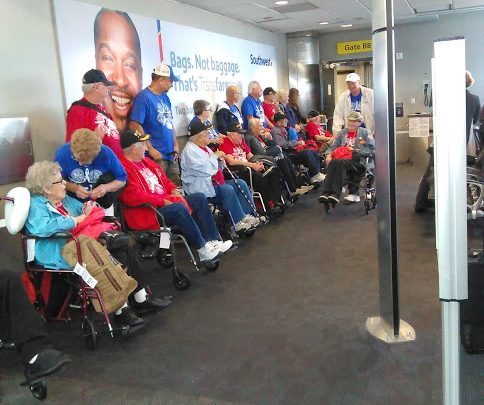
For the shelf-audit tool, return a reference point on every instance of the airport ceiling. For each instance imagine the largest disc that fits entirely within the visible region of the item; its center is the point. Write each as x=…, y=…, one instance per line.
x=320, y=16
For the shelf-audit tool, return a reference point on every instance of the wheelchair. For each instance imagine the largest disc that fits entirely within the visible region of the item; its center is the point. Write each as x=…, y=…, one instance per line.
x=367, y=184
x=17, y=204
x=150, y=242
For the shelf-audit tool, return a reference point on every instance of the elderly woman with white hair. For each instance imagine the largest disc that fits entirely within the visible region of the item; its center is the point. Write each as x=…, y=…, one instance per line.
x=52, y=211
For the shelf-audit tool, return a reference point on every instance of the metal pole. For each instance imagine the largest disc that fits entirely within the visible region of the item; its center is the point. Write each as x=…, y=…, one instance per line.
x=387, y=326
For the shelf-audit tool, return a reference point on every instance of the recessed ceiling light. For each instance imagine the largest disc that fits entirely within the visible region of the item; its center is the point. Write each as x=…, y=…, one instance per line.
x=323, y=23
x=281, y=3
x=346, y=25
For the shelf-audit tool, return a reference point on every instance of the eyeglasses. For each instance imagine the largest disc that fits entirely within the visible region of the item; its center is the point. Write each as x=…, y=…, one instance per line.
x=58, y=182
x=208, y=109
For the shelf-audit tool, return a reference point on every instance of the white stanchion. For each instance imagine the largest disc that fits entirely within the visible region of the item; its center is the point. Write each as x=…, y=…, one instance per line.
x=448, y=72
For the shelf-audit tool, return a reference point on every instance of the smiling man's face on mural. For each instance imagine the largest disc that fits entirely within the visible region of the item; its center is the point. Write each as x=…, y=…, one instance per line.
x=118, y=55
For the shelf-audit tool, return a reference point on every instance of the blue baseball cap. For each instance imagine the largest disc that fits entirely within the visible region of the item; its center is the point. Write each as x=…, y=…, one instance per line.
x=165, y=71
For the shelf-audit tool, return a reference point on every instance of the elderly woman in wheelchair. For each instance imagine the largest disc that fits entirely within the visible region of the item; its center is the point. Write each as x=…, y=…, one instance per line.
x=346, y=158
x=51, y=212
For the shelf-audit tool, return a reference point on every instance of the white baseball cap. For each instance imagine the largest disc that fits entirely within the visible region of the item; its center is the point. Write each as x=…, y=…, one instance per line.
x=352, y=77
x=166, y=71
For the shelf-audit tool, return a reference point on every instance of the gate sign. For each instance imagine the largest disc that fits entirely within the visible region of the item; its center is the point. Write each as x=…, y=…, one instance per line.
x=364, y=45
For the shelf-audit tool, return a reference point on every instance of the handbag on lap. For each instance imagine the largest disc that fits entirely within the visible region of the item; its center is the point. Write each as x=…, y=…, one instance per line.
x=113, y=283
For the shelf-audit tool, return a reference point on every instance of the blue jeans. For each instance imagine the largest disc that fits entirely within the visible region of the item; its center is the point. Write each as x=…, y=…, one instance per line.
x=203, y=216
x=229, y=197
x=177, y=214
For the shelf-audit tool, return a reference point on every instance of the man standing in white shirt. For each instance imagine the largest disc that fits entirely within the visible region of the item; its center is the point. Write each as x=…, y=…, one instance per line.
x=356, y=98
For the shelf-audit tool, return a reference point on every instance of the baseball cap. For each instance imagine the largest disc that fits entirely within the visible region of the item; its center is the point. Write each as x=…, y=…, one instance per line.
x=268, y=90
x=354, y=116
x=279, y=116
x=313, y=113
x=196, y=127
x=352, y=77
x=130, y=137
x=96, y=76
x=235, y=127
x=165, y=71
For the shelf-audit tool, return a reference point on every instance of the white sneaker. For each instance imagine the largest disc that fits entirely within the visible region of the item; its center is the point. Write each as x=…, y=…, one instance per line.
x=251, y=220
x=208, y=252
x=301, y=191
x=318, y=178
x=241, y=226
x=307, y=188
x=352, y=198
x=220, y=245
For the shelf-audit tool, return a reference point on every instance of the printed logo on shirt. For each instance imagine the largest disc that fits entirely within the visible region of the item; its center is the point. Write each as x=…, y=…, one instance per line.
x=153, y=183
x=260, y=112
x=106, y=126
x=80, y=176
x=239, y=154
x=165, y=116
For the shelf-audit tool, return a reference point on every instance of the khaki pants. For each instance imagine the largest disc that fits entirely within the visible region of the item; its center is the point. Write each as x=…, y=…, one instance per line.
x=171, y=169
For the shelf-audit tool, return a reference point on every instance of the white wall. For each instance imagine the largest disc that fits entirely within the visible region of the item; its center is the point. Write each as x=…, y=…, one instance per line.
x=415, y=41
x=30, y=82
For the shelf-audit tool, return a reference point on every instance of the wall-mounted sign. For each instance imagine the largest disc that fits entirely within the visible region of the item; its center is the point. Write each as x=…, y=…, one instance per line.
x=364, y=45
x=128, y=46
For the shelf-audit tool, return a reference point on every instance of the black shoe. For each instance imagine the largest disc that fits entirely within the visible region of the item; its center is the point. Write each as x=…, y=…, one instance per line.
x=127, y=317
x=333, y=199
x=49, y=361
x=151, y=304
x=323, y=198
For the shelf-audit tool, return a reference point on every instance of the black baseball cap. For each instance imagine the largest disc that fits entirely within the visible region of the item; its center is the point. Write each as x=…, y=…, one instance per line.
x=236, y=127
x=313, y=113
x=196, y=127
x=96, y=76
x=279, y=116
x=130, y=137
x=268, y=90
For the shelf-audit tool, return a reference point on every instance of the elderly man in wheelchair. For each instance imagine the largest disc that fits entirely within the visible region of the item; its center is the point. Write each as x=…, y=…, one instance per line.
x=346, y=158
x=148, y=185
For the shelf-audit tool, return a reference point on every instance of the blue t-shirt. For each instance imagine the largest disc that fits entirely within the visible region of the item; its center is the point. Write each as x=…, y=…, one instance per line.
x=355, y=102
x=235, y=110
x=153, y=113
x=251, y=106
x=88, y=175
x=356, y=106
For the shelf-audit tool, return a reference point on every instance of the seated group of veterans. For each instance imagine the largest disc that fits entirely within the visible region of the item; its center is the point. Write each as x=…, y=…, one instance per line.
x=102, y=164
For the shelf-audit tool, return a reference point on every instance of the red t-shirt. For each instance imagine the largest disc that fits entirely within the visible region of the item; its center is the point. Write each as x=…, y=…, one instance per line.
x=269, y=111
x=217, y=178
x=350, y=136
x=80, y=116
x=239, y=152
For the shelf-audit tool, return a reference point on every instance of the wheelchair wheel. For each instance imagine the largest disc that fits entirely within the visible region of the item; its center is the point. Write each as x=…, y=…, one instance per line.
x=165, y=258
x=89, y=333
x=278, y=210
x=39, y=390
x=249, y=233
x=181, y=281
x=212, y=266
